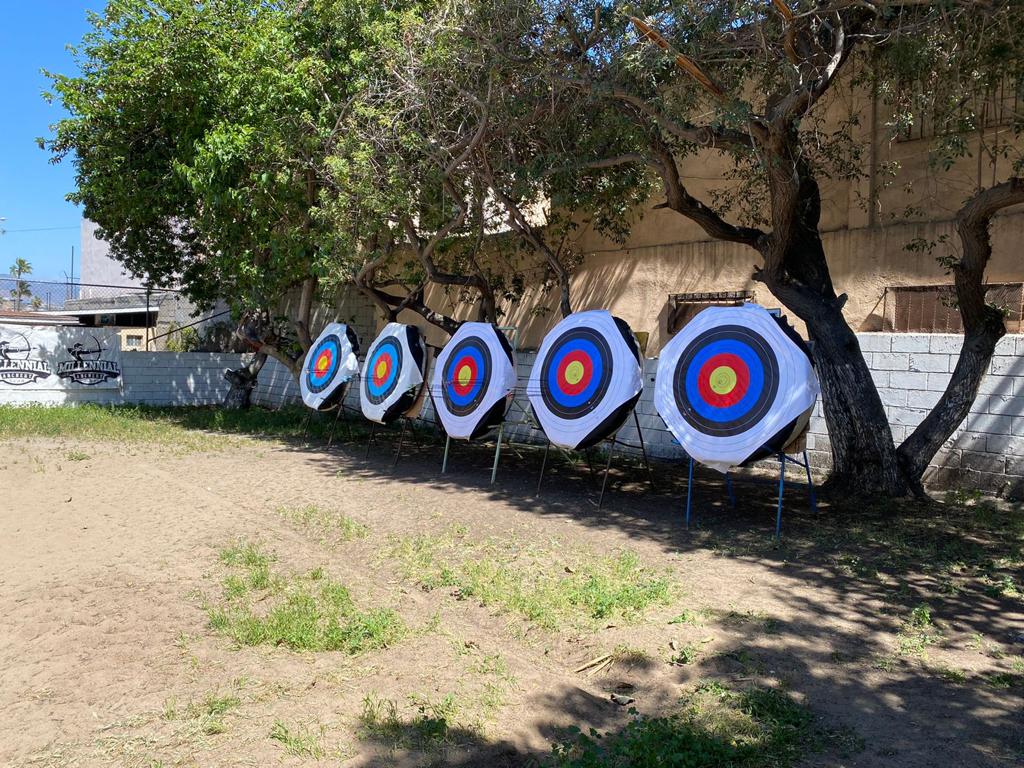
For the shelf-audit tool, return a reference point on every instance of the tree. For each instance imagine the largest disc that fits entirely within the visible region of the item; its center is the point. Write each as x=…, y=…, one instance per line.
x=451, y=169
x=750, y=81
x=197, y=133
x=21, y=289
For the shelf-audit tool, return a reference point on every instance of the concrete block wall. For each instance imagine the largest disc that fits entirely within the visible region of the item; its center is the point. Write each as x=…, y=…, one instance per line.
x=911, y=370
x=150, y=378
x=986, y=452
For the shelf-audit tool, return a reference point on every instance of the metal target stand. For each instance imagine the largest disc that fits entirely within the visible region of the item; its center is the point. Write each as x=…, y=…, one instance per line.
x=513, y=342
x=783, y=459
x=612, y=441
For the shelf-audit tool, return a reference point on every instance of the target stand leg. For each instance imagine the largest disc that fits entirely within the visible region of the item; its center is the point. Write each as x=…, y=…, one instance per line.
x=369, y=440
x=643, y=450
x=689, y=494
x=447, y=447
x=782, y=486
x=401, y=442
x=730, y=490
x=497, y=453
x=810, y=485
x=305, y=425
x=607, y=470
x=590, y=464
x=543, y=466
x=334, y=426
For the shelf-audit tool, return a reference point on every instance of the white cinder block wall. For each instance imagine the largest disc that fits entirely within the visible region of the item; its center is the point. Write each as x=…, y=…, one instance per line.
x=911, y=371
x=150, y=378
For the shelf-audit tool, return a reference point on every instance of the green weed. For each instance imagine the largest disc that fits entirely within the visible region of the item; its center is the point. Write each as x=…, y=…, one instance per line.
x=299, y=741
x=304, y=613
x=713, y=727
x=426, y=727
x=548, y=589
x=326, y=525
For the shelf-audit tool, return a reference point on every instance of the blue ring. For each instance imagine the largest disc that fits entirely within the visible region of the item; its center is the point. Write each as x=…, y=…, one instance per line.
x=452, y=394
x=317, y=383
x=592, y=352
x=753, y=394
x=388, y=345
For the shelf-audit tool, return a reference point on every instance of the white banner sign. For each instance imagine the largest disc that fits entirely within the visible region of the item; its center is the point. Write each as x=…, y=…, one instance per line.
x=59, y=358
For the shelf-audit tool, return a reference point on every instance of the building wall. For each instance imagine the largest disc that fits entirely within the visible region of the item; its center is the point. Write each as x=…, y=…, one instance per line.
x=96, y=266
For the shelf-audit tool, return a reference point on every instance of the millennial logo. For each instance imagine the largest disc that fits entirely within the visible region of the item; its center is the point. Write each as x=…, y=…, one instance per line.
x=16, y=367
x=87, y=367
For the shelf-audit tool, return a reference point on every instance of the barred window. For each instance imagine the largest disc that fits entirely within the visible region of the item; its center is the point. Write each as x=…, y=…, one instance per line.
x=682, y=307
x=932, y=308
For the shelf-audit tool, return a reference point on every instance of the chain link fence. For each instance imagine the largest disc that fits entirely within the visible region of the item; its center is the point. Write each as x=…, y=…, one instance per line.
x=154, y=319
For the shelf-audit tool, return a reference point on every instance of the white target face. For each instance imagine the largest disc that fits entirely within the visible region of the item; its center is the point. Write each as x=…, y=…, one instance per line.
x=733, y=383
x=329, y=365
x=473, y=377
x=586, y=379
x=392, y=373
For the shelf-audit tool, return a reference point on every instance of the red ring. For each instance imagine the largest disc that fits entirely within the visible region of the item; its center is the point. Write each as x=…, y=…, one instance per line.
x=386, y=359
x=588, y=372
x=732, y=397
x=316, y=364
x=460, y=389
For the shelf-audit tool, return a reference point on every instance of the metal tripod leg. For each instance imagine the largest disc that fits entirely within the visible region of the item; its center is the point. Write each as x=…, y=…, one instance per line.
x=689, y=494
x=401, y=442
x=369, y=440
x=810, y=484
x=330, y=440
x=497, y=453
x=607, y=470
x=447, y=446
x=782, y=485
x=543, y=466
x=643, y=450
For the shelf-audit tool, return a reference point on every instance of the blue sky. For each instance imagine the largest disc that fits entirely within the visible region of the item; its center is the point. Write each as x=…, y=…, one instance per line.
x=33, y=36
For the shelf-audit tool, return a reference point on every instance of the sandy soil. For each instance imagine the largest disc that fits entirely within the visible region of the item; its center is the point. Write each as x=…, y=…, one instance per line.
x=105, y=562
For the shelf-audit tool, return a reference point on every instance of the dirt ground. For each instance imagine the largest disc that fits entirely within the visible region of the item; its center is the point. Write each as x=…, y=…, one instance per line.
x=109, y=557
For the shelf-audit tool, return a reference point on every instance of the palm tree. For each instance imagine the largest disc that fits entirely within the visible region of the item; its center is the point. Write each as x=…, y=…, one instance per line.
x=21, y=288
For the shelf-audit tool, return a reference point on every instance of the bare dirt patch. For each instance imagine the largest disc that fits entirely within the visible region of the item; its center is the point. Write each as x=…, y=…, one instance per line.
x=530, y=616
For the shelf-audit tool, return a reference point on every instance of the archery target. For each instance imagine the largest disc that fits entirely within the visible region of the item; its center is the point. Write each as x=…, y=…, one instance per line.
x=329, y=365
x=586, y=379
x=472, y=381
x=392, y=373
x=734, y=385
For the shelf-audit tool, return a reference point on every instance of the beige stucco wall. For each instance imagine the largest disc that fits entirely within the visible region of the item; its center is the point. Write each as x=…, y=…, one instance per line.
x=865, y=244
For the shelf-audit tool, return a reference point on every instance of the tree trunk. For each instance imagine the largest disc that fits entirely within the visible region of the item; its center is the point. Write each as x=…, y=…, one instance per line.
x=863, y=452
x=243, y=381
x=983, y=326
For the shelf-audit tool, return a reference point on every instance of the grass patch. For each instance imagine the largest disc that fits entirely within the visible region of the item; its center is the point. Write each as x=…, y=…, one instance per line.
x=917, y=632
x=714, y=726
x=205, y=716
x=308, y=612
x=189, y=428
x=77, y=456
x=299, y=741
x=549, y=588
x=428, y=725
x=326, y=525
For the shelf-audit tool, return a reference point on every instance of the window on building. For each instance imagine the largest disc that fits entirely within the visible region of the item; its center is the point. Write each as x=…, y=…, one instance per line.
x=683, y=307
x=932, y=308
x=132, y=341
